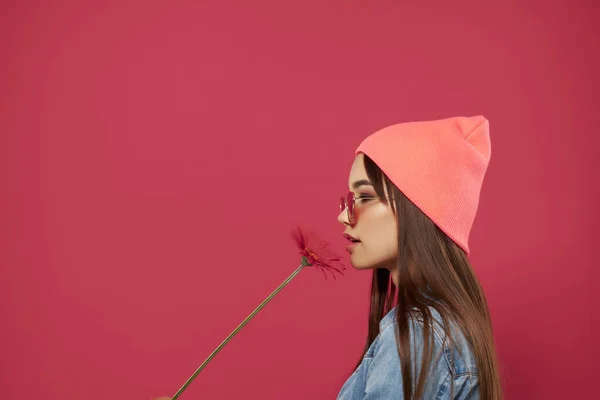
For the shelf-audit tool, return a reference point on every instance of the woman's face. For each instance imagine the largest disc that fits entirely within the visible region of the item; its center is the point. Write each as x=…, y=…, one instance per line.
x=374, y=225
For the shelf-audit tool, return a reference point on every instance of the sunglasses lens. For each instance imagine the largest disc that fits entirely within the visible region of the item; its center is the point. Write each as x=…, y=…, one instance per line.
x=350, y=203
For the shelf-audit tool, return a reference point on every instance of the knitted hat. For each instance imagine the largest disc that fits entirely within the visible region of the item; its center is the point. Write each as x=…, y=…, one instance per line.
x=439, y=165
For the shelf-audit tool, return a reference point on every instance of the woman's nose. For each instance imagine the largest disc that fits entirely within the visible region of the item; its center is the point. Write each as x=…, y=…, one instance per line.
x=343, y=217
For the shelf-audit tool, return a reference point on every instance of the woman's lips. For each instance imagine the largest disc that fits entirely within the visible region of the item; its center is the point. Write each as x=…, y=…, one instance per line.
x=350, y=248
x=353, y=242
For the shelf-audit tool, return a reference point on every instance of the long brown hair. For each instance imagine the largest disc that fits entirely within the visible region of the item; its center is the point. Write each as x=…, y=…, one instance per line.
x=433, y=272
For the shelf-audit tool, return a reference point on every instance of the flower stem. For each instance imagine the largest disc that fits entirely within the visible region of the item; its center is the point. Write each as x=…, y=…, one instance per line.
x=240, y=326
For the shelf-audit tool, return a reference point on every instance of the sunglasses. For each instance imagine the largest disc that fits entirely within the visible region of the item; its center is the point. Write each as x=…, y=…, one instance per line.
x=348, y=203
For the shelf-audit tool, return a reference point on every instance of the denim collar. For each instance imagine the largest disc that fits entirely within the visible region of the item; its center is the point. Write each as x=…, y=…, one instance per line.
x=387, y=320
x=390, y=318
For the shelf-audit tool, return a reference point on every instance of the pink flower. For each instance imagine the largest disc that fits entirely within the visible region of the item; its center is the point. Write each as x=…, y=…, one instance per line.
x=318, y=255
x=316, y=252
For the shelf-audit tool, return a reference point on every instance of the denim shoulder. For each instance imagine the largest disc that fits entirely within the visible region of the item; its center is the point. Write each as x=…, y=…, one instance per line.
x=453, y=369
x=454, y=348
x=452, y=372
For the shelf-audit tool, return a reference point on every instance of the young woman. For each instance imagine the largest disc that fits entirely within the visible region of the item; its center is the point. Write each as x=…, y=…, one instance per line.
x=414, y=193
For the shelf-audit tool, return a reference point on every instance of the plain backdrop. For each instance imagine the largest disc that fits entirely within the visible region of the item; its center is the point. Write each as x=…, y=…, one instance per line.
x=155, y=155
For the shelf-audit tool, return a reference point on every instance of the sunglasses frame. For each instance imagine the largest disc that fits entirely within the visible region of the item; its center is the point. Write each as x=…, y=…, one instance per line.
x=348, y=203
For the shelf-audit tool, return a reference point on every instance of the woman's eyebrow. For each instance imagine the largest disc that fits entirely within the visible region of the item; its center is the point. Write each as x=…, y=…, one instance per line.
x=362, y=182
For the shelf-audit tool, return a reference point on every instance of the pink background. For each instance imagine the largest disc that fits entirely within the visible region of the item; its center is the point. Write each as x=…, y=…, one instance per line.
x=155, y=155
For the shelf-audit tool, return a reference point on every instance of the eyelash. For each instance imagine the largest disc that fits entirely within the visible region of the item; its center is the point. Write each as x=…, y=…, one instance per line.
x=364, y=197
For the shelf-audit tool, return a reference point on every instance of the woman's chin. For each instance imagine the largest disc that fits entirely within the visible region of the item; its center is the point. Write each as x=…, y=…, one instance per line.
x=360, y=265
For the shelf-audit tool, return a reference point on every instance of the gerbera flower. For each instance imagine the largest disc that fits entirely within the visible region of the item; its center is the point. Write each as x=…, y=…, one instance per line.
x=314, y=253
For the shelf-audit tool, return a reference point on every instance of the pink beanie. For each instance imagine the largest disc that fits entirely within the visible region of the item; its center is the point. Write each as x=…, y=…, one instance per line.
x=439, y=165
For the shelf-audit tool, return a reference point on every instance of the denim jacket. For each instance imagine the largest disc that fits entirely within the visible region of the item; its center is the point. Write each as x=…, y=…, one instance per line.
x=379, y=375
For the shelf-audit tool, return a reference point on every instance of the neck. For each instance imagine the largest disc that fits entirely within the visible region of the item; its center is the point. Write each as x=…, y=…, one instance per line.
x=395, y=275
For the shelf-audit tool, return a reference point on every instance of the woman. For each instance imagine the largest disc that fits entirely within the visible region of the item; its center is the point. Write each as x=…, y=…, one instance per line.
x=414, y=195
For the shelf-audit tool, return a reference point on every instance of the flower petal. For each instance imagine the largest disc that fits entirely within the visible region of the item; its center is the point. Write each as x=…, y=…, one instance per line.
x=318, y=252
